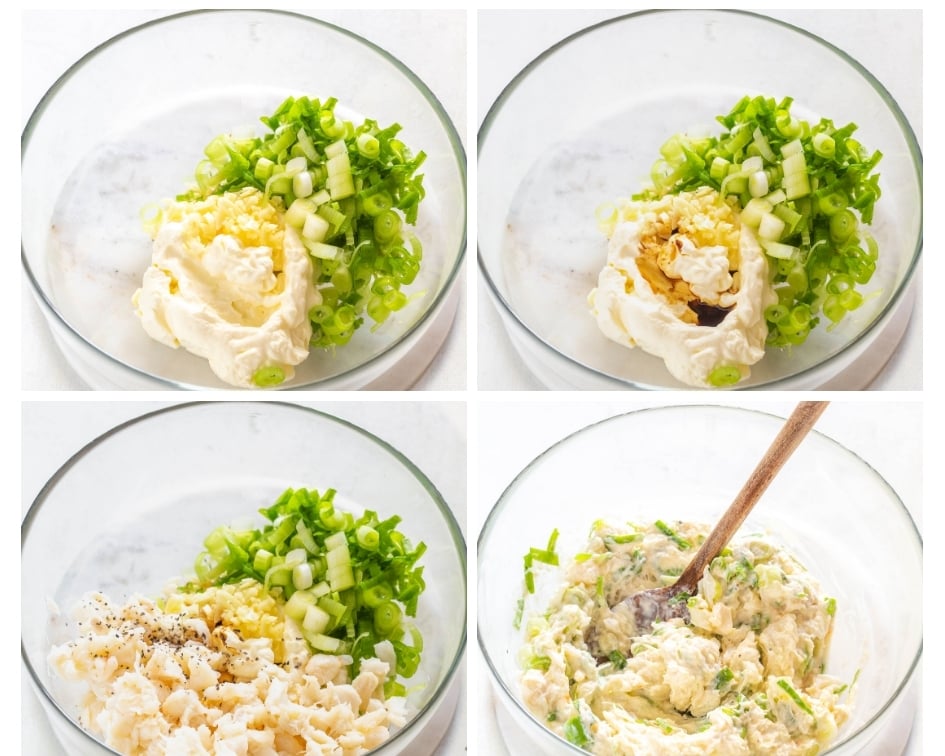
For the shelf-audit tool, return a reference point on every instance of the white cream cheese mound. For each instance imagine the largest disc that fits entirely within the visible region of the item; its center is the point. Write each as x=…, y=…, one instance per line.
x=230, y=282
x=219, y=672
x=686, y=282
x=745, y=678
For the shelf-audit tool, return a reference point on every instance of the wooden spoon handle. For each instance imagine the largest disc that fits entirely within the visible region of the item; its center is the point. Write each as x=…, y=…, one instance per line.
x=790, y=437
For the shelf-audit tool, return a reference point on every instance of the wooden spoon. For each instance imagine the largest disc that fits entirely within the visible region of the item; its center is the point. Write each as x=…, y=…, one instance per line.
x=670, y=601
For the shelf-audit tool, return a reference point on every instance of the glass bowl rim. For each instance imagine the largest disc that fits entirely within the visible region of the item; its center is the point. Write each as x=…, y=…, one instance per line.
x=459, y=153
x=492, y=522
x=449, y=519
x=908, y=134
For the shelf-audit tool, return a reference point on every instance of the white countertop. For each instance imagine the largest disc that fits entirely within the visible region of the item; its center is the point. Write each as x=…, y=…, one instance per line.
x=54, y=40
x=431, y=435
x=887, y=43
x=511, y=434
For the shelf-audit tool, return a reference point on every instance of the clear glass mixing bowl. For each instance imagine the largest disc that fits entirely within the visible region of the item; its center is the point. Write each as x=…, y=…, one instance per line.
x=581, y=125
x=125, y=127
x=829, y=506
x=129, y=512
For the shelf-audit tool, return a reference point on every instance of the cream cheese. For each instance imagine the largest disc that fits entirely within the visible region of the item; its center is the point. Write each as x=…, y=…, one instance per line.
x=631, y=311
x=241, y=306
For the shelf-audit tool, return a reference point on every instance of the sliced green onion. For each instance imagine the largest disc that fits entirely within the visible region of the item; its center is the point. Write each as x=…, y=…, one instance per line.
x=386, y=226
x=842, y=226
x=824, y=145
x=723, y=678
x=368, y=537
x=387, y=617
x=286, y=556
x=269, y=375
x=368, y=146
x=795, y=696
x=724, y=375
x=822, y=187
x=377, y=203
x=352, y=175
x=575, y=733
x=666, y=530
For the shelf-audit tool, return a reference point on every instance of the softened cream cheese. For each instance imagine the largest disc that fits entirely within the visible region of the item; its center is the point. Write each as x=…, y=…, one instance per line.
x=686, y=282
x=231, y=283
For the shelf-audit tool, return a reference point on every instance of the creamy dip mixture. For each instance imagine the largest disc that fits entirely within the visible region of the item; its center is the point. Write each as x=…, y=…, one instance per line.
x=687, y=282
x=223, y=671
x=746, y=676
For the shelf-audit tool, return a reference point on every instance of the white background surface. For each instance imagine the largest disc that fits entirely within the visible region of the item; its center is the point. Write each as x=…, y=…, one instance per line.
x=54, y=40
x=888, y=44
x=431, y=435
x=887, y=435
x=513, y=39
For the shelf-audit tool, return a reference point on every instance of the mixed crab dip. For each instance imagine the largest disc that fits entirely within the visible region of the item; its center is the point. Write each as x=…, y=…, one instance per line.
x=745, y=676
x=222, y=671
x=685, y=281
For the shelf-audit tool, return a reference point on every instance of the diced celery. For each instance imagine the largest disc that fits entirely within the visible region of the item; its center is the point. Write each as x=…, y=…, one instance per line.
x=262, y=560
x=323, y=251
x=341, y=577
x=302, y=184
x=296, y=165
x=298, y=211
x=298, y=604
x=754, y=210
x=335, y=608
x=752, y=165
x=779, y=250
x=320, y=589
x=315, y=228
x=771, y=227
x=758, y=184
x=326, y=643
x=315, y=619
x=302, y=576
x=793, y=147
x=263, y=169
x=719, y=168
x=336, y=148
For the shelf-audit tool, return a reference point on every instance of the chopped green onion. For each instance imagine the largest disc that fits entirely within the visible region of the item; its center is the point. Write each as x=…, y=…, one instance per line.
x=375, y=595
x=548, y=555
x=814, y=178
x=348, y=177
x=269, y=375
x=617, y=659
x=540, y=662
x=341, y=577
x=368, y=538
x=575, y=732
x=795, y=696
x=842, y=226
x=666, y=530
x=724, y=375
x=723, y=678
x=387, y=618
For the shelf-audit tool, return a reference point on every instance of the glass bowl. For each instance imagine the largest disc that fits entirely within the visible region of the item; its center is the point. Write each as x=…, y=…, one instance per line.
x=828, y=506
x=128, y=513
x=126, y=125
x=596, y=107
